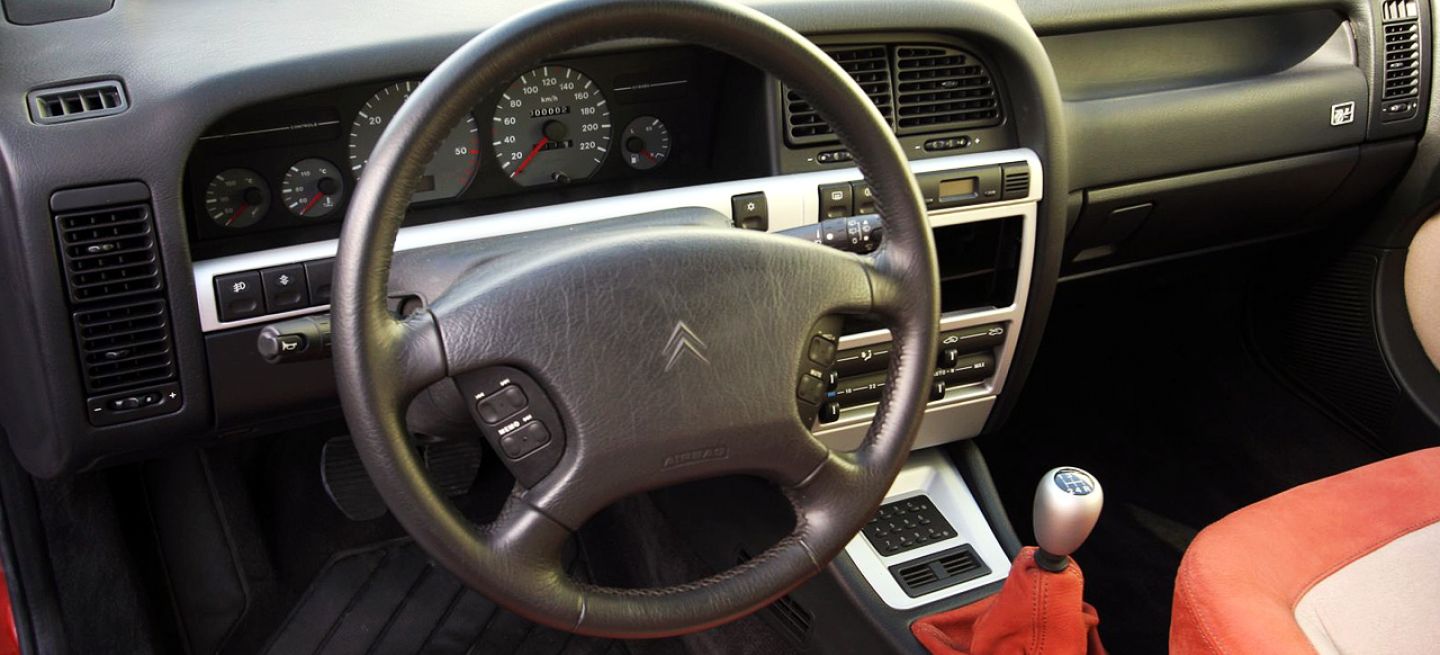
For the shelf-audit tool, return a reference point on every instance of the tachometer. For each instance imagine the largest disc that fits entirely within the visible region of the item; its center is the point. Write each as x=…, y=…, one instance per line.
x=551, y=126
x=450, y=169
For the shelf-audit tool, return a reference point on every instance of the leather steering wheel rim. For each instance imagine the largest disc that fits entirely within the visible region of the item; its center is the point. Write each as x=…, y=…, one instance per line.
x=382, y=363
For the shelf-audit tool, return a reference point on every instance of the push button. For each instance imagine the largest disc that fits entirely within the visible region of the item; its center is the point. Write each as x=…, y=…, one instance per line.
x=285, y=288
x=836, y=201
x=750, y=211
x=238, y=296
x=830, y=412
x=822, y=351
x=864, y=198
x=317, y=277
x=811, y=389
x=525, y=439
x=501, y=404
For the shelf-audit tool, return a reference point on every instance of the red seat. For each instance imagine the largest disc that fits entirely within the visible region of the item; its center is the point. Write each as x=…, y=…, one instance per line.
x=1350, y=563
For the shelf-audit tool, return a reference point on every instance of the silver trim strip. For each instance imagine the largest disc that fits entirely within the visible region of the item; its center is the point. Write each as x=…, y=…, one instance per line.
x=793, y=201
x=930, y=473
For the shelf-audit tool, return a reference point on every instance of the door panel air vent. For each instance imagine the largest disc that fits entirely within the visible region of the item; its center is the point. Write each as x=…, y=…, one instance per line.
x=943, y=569
x=118, y=308
x=1402, y=60
x=869, y=66
x=939, y=88
x=77, y=102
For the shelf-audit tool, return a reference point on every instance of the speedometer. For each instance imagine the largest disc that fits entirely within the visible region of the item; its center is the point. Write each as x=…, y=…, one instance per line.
x=447, y=173
x=551, y=126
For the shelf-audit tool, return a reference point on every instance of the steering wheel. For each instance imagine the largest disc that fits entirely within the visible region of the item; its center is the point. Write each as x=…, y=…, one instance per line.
x=598, y=326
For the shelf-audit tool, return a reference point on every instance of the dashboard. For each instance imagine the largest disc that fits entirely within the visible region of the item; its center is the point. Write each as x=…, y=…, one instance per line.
x=169, y=194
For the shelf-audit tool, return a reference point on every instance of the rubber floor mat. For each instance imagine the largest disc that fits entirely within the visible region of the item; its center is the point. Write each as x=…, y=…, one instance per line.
x=391, y=599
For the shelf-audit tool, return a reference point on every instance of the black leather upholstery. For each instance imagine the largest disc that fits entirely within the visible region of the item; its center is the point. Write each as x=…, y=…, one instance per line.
x=755, y=297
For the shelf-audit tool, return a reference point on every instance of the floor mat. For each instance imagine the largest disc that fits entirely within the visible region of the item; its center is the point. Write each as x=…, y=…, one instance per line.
x=391, y=599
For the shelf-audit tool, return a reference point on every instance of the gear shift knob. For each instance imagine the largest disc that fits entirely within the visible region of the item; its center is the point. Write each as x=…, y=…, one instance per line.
x=1067, y=505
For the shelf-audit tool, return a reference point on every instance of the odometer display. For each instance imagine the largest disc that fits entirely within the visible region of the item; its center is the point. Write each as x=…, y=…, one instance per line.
x=551, y=126
x=448, y=172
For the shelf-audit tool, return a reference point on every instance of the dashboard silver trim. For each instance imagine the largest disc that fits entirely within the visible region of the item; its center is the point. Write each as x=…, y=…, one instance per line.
x=930, y=473
x=793, y=201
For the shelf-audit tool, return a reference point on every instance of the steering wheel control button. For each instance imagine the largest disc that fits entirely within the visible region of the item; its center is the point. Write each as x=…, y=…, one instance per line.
x=285, y=288
x=750, y=211
x=906, y=525
x=524, y=439
x=239, y=296
x=822, y=351
x=502, y=404
x=836, y=201
x=811, y=388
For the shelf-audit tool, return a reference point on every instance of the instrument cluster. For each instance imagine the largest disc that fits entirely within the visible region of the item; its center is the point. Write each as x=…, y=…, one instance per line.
x=638, y=120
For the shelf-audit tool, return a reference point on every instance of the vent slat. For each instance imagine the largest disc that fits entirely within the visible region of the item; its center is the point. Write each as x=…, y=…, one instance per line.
x=869, y=66
x=942, y=88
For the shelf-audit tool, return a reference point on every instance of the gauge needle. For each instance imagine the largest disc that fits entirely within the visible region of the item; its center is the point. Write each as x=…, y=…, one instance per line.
x=646, y=153
x=243, y=206
x=309, y=205
x=533, y=151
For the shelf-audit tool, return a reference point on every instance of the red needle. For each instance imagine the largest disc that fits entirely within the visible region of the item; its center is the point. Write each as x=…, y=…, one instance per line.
x=533, y=151
x=238, y=212
x=308, y=205
x=646, y=152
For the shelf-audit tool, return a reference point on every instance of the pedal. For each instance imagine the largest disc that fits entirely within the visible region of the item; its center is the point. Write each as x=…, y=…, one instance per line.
x=453, y=466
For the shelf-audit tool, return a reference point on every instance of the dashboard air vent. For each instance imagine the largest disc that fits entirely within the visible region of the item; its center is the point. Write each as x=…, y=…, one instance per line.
x=1402, y=59
x=117, y=300
x=1400, y=10
x=869, y=66
x=940, y=88
x=109, y=254
x=1015, y=181
x=80, y=101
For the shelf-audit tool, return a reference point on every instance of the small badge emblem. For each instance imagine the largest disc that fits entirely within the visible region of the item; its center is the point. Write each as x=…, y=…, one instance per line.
x=1342, y=114
x=683, y=340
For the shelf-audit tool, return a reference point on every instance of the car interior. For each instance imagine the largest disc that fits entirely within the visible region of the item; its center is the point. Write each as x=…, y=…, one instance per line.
x=754, y=326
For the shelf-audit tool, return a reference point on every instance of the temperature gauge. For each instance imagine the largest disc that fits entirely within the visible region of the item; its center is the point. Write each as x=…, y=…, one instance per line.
x=237, y=198
x=647, y=143
x=312, y=188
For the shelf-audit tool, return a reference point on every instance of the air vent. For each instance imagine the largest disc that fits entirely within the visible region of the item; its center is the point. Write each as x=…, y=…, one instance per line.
x=939, y=571
x=1392, y=10
x=869, y=66
x=118, y=306
x=939, y=88
x=124, y=346
x=109, y=253
x=1015, y=181
x=1402, y=60
x=81, y=101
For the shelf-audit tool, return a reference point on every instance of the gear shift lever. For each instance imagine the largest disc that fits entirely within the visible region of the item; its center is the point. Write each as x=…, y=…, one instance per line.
x=1067, y=505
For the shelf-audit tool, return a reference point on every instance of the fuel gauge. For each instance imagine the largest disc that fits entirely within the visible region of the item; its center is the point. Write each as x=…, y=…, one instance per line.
x=647, y=143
